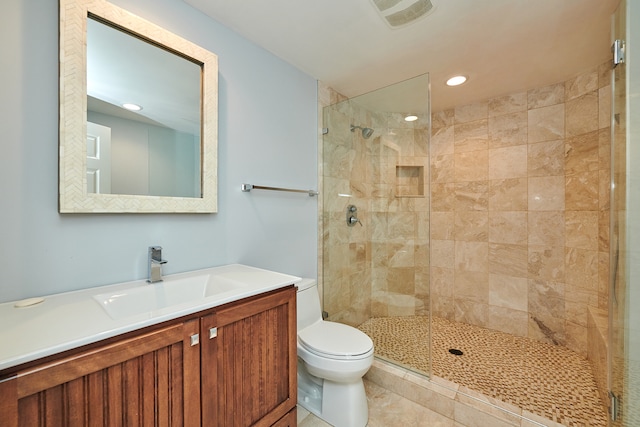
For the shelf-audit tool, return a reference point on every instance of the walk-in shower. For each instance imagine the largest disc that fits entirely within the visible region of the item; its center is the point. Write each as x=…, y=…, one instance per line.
x=482, y=234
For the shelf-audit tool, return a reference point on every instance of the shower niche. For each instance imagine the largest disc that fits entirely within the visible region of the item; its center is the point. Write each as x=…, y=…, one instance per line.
x=409, y=181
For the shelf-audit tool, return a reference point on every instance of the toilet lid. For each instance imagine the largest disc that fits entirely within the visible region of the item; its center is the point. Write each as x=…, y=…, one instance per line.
x=335, y=339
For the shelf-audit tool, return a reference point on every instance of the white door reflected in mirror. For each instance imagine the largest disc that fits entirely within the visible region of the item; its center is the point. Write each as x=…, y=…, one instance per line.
x=98, y=159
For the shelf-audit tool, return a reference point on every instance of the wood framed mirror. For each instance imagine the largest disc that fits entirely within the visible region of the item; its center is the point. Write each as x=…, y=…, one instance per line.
x=160, y=158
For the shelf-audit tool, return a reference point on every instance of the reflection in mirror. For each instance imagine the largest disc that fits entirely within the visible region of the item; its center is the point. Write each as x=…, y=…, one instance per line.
x=160, y=158
x=143, y=117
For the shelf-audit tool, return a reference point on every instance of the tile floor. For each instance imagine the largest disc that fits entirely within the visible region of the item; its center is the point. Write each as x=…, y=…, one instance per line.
x=550, y=381
x=387, y=409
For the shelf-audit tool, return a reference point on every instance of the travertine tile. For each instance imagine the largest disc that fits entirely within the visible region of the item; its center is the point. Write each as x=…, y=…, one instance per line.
x=581, y=229
x=471, y=286
x=510, y=260
x=546, y=262
x=442, y=253
x=546, y=298
x=581, y=268
x=508, y=292
x=443, y=118
x=442, y=168
x=471, y=166
x=471, y=226
x=581, y=191
x=307, y=419
x=547, y=329
x=443, y=197
x=471, y=112
x=388, y=409
x=472, y=196
x=603, y=231
x=546, y=158
x=471, y=256
x=508, y=320
x=546, y=193
x=441, y=281
x=582, y=153
x=546, y=123
x=546, y=228
x=604, y=74
x=604, y=107
x=578, y=86
x=508, y=227
x=582, y=114
x=442, y=141
x=471, y=136
x=508, y=162
x=508, y=195
x=507, y=130
x=576, y=338
x=471, y=312
x=507, y=104
x=545, y=96
x=442, y=225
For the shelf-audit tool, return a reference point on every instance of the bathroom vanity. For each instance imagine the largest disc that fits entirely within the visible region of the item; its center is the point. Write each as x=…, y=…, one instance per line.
x=227, y=359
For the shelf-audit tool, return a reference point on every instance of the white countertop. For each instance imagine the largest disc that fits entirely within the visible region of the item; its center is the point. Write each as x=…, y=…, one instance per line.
x=72, y=319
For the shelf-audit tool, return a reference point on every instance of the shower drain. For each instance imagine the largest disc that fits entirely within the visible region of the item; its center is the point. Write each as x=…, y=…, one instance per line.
x=456, y=352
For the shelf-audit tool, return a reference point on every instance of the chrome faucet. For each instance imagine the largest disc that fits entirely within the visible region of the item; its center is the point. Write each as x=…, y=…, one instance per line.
x=155, y=264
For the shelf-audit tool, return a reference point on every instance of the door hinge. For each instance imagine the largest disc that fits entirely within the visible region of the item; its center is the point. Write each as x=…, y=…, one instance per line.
x=614, y=406
x=325, y=131
x=618, y=52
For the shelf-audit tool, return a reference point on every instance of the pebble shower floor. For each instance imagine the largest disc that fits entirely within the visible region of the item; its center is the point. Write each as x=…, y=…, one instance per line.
x=548, y=380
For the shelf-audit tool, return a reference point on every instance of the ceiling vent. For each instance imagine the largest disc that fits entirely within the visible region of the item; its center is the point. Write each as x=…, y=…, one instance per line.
x=398, y=13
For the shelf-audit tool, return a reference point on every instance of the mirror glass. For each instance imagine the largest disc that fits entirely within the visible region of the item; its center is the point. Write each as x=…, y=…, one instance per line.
x=158, y=154
x=143, y=117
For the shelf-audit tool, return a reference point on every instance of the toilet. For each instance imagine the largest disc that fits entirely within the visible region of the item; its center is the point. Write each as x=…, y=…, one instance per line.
x=332, y=359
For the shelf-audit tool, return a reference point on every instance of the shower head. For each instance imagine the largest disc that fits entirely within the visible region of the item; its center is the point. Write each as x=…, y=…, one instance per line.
x=366, y=132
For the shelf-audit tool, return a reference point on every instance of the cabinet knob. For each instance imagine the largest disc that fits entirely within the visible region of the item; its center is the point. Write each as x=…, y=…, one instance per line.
x=213, y=332
x=195, y=339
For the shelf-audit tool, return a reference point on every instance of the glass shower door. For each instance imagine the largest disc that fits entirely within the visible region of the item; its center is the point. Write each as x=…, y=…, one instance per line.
x=376, y=269
x=618, y=231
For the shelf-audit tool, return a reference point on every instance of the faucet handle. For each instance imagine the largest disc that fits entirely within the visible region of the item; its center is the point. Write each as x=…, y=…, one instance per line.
x=155, y=252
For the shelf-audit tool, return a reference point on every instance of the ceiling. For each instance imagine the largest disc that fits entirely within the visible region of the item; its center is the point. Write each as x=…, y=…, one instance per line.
x=503, y=46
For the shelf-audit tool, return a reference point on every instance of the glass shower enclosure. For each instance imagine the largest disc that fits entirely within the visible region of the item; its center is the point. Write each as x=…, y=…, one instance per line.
x=375, y=217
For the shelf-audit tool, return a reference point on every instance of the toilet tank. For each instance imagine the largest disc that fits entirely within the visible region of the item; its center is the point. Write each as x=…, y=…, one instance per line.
x=308, y=303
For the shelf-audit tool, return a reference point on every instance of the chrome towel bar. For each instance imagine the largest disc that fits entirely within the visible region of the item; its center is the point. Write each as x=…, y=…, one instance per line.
x=249, y=187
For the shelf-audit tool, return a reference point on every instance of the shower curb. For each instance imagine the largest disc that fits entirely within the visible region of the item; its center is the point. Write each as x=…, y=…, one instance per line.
x=451, y=400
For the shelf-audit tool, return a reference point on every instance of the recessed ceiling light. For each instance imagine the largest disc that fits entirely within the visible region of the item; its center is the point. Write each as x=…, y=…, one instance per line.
x=456, y=80
x=132, y=107
x=411, y=118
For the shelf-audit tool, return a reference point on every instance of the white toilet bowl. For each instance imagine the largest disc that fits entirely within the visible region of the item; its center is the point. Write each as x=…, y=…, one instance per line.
x=332, y=358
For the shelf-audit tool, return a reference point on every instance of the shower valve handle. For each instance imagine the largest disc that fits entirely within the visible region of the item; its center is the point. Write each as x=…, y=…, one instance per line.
x=353, y=220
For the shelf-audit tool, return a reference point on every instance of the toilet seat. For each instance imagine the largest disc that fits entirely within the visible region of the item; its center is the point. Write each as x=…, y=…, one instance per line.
x=335, y=341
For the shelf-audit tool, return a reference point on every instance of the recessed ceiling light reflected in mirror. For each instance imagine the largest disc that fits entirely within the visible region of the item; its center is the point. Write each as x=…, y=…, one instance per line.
x=411, y=118
x=456, y=80
x=132, y=107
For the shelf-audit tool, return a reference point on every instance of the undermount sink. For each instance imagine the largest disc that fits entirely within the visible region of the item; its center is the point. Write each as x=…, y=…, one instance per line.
x=147, y=298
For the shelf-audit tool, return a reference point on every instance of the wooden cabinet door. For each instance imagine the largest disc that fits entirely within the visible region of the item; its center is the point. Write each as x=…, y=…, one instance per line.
x=150, y=379
x=289, y=420
x=249, y=367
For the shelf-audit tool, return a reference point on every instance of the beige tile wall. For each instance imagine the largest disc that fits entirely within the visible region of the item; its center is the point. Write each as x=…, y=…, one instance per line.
x=519, y=213
x=382, y=267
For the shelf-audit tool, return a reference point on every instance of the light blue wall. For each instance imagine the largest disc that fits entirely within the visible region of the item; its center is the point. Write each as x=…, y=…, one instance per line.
x=267, y=135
